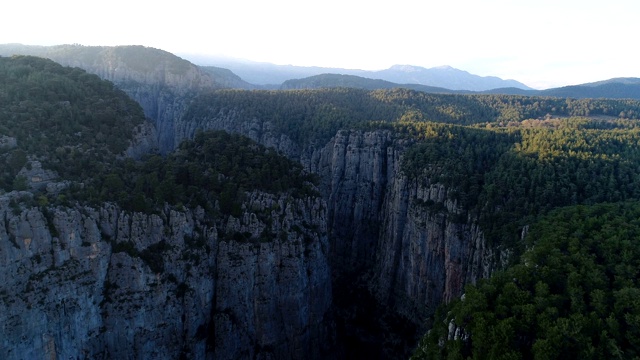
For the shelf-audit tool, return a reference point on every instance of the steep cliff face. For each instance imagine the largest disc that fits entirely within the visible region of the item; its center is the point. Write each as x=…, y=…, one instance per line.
x=413, y=247
x=104, y=283
x=144, y=140
x=429, y=249
x=356, y=169
x=407, y=237
x=273, y=298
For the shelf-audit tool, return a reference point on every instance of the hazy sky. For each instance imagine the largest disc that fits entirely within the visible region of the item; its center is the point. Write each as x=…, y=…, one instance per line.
x=542, y=43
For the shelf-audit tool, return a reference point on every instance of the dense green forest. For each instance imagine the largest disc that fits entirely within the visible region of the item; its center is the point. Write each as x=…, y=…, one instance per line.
x=315, y=115
x=73, y=122
x=574, y=294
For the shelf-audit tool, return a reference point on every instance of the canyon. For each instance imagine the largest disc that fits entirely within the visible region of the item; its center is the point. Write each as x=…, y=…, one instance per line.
x=100, y=282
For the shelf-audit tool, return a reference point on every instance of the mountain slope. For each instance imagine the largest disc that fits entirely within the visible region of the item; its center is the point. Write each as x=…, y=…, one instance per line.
x=616, y=88
x=623, y=80
x=64, y=118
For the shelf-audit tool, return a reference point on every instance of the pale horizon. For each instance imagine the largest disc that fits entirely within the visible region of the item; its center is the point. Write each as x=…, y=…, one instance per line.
x=542, y=44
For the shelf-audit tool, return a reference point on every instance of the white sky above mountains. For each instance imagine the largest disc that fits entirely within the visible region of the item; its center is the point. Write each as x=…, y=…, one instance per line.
x=542, y=43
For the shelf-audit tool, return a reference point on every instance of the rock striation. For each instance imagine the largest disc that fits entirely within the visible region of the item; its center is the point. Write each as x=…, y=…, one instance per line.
x=99, y=282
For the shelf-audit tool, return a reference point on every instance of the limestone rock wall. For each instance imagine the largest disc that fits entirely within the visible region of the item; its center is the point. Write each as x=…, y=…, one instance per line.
x=429, y=249
x=103, y=283
x=417, y=247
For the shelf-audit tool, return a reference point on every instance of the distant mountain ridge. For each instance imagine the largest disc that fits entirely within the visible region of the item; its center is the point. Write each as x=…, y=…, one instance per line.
x=446, y=77
x=442, y=76
x=618, y=88
x=441, y=79
x=242, y=74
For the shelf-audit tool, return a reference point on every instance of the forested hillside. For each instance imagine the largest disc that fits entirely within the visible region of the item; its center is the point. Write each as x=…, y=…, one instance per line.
x=573, y=294
x=506, y=176
x=306, y=115
x=213, y=171
x=352, y=81
x=70, y=121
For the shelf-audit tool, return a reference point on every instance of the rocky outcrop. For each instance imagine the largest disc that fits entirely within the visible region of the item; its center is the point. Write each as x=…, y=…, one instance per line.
x=8, y=142
x=104, y=283
x=35, y=176
x=144, y=140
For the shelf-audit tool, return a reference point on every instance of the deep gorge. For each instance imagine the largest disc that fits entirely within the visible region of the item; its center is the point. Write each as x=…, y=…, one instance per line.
x=370, y=217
